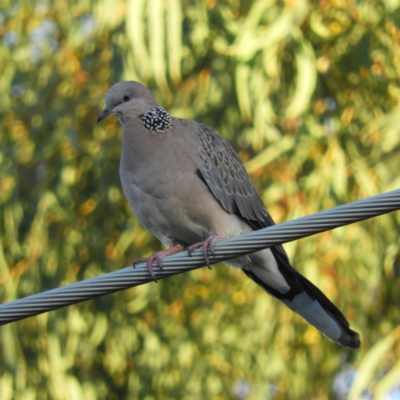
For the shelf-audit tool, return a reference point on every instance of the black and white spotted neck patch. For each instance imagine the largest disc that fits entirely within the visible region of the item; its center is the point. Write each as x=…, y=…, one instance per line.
x=157, y=119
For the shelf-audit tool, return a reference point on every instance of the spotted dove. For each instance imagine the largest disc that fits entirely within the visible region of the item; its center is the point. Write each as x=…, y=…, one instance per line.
x=187, y=185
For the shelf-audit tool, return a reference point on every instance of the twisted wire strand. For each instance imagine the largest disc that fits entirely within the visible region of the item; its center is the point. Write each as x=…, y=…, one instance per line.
x=182, y=262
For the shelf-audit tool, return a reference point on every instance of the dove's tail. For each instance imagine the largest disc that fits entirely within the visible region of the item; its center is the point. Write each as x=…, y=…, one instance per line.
x=306, y=300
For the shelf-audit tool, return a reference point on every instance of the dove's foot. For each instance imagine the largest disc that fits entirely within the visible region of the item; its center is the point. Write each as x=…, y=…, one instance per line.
x=209, y=243
x=158, y=258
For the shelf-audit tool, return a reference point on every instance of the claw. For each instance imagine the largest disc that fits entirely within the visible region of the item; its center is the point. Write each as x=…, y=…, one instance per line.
x=209, y=243
x=158, y=258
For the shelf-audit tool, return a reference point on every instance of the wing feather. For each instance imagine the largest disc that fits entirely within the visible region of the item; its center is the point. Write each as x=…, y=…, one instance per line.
x=224, y=173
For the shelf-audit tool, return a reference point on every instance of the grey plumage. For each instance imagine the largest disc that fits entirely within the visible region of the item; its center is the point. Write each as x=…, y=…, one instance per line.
x=185, y=183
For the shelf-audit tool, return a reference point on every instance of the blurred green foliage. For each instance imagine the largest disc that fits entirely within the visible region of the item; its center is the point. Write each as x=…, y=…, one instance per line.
x=307, y=92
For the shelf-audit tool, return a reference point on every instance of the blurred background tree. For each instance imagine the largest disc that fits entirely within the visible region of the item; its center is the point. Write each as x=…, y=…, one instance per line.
x=307, y=92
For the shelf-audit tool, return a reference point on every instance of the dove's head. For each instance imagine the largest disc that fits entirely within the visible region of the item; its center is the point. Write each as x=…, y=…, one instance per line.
x=127, y=98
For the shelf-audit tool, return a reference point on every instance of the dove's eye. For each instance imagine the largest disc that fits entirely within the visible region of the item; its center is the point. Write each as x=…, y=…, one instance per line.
x=126, y=97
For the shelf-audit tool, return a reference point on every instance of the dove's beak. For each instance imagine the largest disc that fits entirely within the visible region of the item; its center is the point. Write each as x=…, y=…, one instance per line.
x=107, y=111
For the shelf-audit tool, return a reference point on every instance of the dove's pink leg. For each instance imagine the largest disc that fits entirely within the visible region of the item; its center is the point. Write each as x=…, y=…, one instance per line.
x=209, y=243
x=158, y=258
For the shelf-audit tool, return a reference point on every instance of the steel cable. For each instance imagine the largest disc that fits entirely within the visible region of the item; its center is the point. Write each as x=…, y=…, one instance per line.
x=182, y=262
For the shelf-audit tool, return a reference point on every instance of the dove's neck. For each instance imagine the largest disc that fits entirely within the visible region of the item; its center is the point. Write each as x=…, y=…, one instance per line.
x=156, y=120
x=146, y=137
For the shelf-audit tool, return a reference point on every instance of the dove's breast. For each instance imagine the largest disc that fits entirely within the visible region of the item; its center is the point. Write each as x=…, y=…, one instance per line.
x=167, y=195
